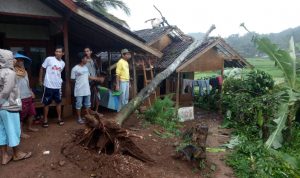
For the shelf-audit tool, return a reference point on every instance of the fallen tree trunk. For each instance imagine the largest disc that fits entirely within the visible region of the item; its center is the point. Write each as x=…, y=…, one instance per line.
x=145, y=92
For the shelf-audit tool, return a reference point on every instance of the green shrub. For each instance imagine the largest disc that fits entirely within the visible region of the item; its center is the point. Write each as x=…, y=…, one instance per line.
x=293, y=147
x=163, y=113
x=251, y=159
x=208, y=101
x=259, y=82
x=246, y=98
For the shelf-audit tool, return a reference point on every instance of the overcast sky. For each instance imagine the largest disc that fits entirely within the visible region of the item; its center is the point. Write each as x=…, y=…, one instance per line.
x=262, y=16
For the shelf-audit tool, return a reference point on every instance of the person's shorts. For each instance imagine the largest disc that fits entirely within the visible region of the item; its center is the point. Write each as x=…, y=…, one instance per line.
x=85, y=100
x=10, y=129
x=28, y=108
x=51, y=94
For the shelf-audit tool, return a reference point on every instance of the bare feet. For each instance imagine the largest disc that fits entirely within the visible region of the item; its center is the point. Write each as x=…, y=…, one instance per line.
x=31, y=129
x=6, y=158
x=25, y=136
x=21, y=155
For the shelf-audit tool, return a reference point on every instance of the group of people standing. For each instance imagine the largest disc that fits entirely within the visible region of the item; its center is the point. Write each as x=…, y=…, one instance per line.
x=16, y=96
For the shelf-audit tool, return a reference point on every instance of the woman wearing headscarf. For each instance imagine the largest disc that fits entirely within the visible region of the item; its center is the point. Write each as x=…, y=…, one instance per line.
x=10, y=106
x=27, y=96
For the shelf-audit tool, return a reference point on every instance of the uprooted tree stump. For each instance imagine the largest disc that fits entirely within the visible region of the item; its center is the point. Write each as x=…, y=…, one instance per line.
x=106, y=136
x=197, y=149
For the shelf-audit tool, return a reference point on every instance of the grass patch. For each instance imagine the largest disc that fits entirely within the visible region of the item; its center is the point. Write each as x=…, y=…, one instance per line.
x=163, y=113
x=199, y=75
x=267, y=66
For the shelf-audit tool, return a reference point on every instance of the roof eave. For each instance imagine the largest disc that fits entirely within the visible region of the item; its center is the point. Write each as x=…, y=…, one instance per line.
x=85, y=14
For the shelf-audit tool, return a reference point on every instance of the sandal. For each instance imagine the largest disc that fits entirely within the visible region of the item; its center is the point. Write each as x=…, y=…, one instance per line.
x=60, y=122
x=8, y=160
x=45, y=125
x=25, y=156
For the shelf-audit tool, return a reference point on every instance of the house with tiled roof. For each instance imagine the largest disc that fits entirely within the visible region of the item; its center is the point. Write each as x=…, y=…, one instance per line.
x=214, y=54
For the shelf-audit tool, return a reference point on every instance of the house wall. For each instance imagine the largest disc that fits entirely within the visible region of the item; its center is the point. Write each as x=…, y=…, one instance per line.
x=30, y=32
x=209, y=61
x=27, y=7
x=162, y=43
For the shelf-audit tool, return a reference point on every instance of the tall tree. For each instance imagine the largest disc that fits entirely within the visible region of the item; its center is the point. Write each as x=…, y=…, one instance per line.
x=102, y=6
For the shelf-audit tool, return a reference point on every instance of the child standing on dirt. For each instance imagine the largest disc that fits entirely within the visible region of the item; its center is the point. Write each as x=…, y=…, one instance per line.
x=10, y=105
x=27, y=96
x=80, y=73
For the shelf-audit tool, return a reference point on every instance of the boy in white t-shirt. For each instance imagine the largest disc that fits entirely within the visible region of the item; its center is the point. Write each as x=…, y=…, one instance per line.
x=53, y=65
x=80, y=73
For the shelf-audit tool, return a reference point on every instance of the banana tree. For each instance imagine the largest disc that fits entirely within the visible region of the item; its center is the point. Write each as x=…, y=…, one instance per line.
x=290, y=92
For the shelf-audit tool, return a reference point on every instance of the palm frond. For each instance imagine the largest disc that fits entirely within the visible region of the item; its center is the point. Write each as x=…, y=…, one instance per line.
x=102, y=6
x=275, y=138
x=116, y=19
x=282, y=58
x=115, y=4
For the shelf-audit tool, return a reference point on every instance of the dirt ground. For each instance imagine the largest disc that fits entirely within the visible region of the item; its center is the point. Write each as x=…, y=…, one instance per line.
x=79, y=162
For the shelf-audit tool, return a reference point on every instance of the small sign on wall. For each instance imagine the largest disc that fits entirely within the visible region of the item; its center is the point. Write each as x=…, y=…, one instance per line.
x=186, y=113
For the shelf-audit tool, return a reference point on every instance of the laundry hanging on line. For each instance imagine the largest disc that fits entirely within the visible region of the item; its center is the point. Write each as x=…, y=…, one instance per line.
x=205, y=85
x=187, y=83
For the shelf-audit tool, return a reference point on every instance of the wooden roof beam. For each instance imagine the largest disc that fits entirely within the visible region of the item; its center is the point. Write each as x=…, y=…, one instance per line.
x=92, y=18
x=236, y=54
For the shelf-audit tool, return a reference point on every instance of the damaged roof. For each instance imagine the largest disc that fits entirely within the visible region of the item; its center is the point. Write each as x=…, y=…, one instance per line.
x=181, y=41
x=171, y=52
x=153, y=34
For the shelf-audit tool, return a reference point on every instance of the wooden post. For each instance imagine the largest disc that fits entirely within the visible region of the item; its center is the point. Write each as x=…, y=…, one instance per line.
x=134, y=77
x=221, y=91
x=222, y=70
x=67, y=62
x=67, y=109
x=178, y=90
x=109, y=60
x=109, y=71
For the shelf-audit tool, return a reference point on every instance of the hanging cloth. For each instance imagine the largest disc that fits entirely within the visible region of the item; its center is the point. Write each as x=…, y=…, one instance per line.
x=220, y=80
x=214, y=83
x=204, y=87
x=186, y=83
